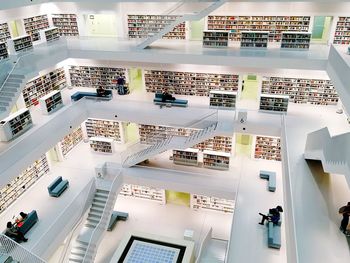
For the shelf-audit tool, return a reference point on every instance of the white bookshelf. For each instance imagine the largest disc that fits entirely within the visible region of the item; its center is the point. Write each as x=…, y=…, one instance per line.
x=15, y=125
x=70, y=141
x=222, y=99
x=216, y=160
x=189, y=83
x=4, y=32
x=143, y=26
x=49, y=34
x=19, y=44
x=43, y=85
x=144, y=192
x=22, y=182
x=102, y=145
x=104, y=128
x=296, y=40
x=51, y=102
x=312, y=91
x=186, y=157
x=66, y=23
x=342, y=31
x=34, y=24
x=215, y=38
x=93, y=77
x=199, y=202
x=268, y=148
x=3, y=51
x=254, y=39
x=275, y=25
x=274, y=103
x=217, y=144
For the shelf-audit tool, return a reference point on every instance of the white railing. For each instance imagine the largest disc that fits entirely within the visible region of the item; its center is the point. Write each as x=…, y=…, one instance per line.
x=101, y=227
x=204, y=245
x=63, y=223
x=291, y=241
x=16, y=251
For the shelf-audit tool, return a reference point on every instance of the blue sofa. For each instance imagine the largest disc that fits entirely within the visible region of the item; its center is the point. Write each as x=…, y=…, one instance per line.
x=116, y=216
x=158, y=101
x=80, y=94
x=28, y=222
x=57, y=187
x=271, y=177
x=274, y=235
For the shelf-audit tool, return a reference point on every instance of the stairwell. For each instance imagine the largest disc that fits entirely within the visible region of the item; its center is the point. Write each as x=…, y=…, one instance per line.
x=172, y=142
x=10, y=91
x=332, y=151
x=215, y=251
x=186, y=17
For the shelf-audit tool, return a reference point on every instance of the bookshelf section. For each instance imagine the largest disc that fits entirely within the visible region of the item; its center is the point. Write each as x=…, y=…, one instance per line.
x=188, y=83
x=268, y=148
x=313, y=91
x=274, y=103
x=34, y=24
x=222, y=99
x=51, y=102
x=4, y=32
x=275, y=25
x=22, y=182
x=19, y=44
x=93, y=77
x=215, y=38
x=43, y=85
x=15, y=125
x=144, y=26
x=103, y=128
x=66, y=23
x=212, y=203
x=217, y=143
x=49, y=34
x=342, y=31
x=144, y=192
x=216, y=160
x=102, y=145
x=3, y=51
x=71, y=140
x=296, y=40
x=254, y=39
x=186, y=157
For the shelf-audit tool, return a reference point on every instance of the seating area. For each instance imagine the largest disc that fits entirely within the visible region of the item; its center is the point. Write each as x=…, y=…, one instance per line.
x=80, y=94
x=116, y=216
x=274, y=235
x=7, y=259
x=57, y=187
x=158, y=101
x=28, y=222
x=271, y=178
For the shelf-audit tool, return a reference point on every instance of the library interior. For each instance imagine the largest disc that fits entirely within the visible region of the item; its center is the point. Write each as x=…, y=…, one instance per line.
x=146, y=131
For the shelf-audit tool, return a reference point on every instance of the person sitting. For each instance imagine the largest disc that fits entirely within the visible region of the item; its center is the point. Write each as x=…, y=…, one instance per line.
x=13, y=233
x=167, y=96
x=101, y=92
x=274, y=215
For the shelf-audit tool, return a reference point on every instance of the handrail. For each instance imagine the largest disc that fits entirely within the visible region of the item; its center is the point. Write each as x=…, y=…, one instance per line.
x=21, y=254
x=193, y=123
x=103, y=217
x=58, y=218
x=67, y=245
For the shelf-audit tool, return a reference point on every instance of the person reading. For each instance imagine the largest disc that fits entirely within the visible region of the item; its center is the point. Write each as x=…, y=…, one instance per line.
x=274, y=215
x=13, y=233
x=101, y=92
x=19, y=220
x=167, y=96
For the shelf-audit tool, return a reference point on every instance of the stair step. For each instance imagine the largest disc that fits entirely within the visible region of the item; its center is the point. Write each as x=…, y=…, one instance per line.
x=96, y=215
x=6, y=94
x=90, y=225
x=92, y=220
x=4, y=104
x=12, y=84
x=99, y=201
x=98, y=206
x=17, y=76
x=75, y=258
x=101, y=191
x=14, y=80
x=101, y=195
x=78, y=253
x=8, y=89
x=82, y=242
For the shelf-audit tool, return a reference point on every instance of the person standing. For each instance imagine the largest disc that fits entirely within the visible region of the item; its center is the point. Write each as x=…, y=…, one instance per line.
x=121, y=83
x=345, y=211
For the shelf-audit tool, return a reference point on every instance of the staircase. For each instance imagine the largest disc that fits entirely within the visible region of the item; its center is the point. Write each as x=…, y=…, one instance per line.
x=215, y=251
x=333, y=152
x=85, y=246
x=171, y=142
x=186, y=17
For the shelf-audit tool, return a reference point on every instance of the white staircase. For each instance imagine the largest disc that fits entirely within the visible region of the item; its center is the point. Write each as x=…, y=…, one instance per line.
x=333, y=152
x=215, y=251
x=171, y=142
x=85, y=246
x=186, y=17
